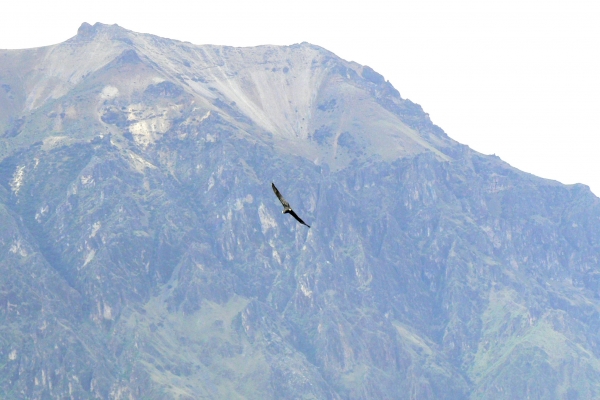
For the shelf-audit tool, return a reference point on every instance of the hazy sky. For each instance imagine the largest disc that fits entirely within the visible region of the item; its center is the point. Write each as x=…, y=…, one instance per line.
x=520, y=79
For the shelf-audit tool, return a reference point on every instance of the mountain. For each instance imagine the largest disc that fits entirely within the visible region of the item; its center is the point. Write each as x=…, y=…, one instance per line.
x=143, y=253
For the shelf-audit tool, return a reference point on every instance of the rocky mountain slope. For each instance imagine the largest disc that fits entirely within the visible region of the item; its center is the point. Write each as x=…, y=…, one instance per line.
x=144, y=255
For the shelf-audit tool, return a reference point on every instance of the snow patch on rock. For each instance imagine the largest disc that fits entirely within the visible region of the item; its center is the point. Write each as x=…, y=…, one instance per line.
x=109, y=92
x=266, y=220
x=17, y=180
x=95, y=228
x=90, y=256
x=17, y=248
x=148, y=124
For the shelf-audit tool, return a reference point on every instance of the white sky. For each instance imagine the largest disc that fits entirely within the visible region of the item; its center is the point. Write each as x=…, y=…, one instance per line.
x=518, y=78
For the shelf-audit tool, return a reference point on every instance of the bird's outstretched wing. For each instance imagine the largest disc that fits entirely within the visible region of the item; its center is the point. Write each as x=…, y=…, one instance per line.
x=286, y=206
x=298, y=218
x=284, y=203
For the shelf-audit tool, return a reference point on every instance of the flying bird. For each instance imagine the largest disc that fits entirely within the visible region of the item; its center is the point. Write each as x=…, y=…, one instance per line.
x=286, y=206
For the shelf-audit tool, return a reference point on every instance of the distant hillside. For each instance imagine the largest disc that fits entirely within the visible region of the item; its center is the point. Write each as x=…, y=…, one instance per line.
x=143, y=254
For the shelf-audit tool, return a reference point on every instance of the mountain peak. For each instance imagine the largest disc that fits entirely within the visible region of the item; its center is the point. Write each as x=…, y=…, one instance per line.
x=88, y=31
x=299, y=96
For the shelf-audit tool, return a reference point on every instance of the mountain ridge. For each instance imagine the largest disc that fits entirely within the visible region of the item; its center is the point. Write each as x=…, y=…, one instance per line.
x=251, y=93
x=144, y=254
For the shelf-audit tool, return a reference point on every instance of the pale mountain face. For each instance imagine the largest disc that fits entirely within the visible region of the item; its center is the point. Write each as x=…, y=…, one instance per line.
x=300, y=99
x=144, y=255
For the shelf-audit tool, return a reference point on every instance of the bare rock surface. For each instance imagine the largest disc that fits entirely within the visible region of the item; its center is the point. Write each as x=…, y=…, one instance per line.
x=144, y=255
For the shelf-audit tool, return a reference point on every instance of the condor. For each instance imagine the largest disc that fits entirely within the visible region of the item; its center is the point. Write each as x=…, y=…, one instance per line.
x=286, y=206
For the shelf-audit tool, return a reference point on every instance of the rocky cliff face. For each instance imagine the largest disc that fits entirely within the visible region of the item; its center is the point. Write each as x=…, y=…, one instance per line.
x=144, y=255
